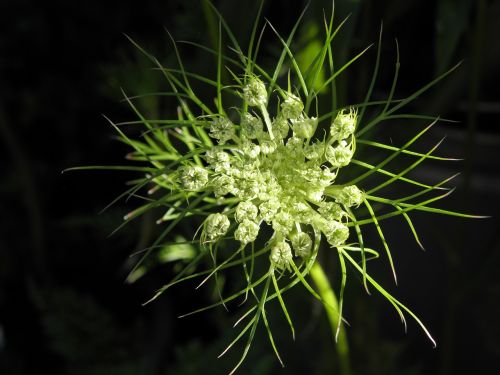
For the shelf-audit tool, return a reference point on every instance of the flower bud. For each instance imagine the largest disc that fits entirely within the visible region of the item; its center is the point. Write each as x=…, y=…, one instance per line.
x=292, y=107
x=315, y=194
x=300, y=211
x=222, y=129
x=344, y=125
x=350, y=196
x=267, y=145
x=255, y=92
x=302, y=244
x=331, y=211
x=216, y=155
x=223, y=185
x=251, y=126
x=294, y=146
x=280, y=127
x=335, y=232
x=314, y=150
x=246, y=211
x=251, y=150
x=218, y=159
x=268, y=209
x=281, y=255
x=339, y=156
x=282, y=223
x=216, y=226
x=246, y=232
x=193, y=177
x=305, y=127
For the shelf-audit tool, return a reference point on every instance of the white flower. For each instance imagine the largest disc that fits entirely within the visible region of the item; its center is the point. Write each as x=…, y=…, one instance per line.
x=344, y=125
x=193, y=177
x=255, y=92
x=246, y=211
x=281, y=255
x=222, y=129
x=247, y=232
x=339, y=156
x=302, y=244
x=251, y=126
x=292, y=107
x=350, y=196
x=216, y=226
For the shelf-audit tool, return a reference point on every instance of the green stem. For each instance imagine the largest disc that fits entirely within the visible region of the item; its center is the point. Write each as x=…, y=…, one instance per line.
x=267, y=120
x=332, y=311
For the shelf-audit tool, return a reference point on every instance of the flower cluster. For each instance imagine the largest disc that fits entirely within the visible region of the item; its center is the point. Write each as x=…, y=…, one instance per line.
x=280, y=175
x=263, y=169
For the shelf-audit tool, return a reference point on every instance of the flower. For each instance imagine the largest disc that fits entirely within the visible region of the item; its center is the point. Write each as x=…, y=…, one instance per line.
x=281, y=255
x=238, y=172
x=216, y=226
x=255, y=92
x=193, y=177
x=344, y=125
x=222, y=129
x=282, y=178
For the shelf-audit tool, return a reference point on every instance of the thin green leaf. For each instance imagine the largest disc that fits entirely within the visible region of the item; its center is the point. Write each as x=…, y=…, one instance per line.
x=382, y=238
x=282, y=304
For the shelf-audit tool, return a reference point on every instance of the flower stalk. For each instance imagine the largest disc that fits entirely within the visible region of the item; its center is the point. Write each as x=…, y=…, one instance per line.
x=332, y=308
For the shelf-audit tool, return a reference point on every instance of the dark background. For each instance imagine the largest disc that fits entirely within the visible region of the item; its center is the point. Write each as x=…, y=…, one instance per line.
x=64, y=306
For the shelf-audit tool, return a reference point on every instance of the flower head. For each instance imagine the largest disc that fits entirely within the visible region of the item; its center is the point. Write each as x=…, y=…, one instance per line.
x=272, y=170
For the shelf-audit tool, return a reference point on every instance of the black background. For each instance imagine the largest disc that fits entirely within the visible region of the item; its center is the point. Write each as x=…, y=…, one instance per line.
x=64, y=306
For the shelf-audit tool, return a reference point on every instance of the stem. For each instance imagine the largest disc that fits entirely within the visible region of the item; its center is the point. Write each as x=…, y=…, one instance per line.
x=267, y=120
x=331, y=307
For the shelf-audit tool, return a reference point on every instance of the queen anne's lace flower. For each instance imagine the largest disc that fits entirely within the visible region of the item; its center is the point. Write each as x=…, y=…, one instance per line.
x=280, y=178
x=271, y=166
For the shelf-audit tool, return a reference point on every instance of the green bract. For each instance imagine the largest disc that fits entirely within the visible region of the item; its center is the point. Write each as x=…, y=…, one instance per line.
x=257, y=168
